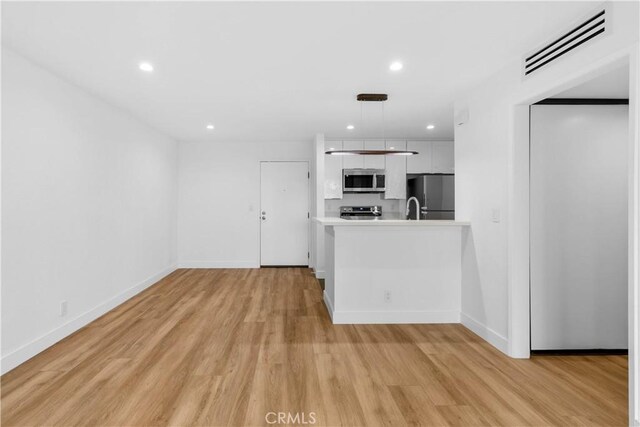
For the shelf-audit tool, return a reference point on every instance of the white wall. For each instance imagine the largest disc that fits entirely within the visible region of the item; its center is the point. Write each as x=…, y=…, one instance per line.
x=490, y=169
x=481, y=154
x=219, y=200
x=316, y=258
x=88, y=209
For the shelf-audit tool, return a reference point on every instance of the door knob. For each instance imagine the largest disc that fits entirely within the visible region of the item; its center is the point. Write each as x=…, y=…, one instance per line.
x=263, y=217
x=264, y=212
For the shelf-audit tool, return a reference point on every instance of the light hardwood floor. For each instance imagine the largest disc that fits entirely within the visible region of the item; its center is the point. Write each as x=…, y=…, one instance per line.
x=226, y=347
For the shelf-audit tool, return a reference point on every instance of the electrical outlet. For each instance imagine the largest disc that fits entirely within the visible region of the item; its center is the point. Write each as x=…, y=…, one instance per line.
x=63, y=308
x=387, y=296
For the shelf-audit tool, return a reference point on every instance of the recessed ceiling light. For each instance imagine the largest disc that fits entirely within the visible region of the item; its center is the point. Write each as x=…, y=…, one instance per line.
x=145, y=66
x=210, y=127
x=430, y=127
x=396, y=66
x=350, y=127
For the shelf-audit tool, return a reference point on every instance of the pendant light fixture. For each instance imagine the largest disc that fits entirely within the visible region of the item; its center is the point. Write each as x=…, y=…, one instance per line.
x=371, y=152
x=371, y=97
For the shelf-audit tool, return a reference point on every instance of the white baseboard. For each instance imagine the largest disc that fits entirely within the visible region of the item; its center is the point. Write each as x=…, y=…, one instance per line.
x=328, y=303
x=36, y=346
x=319, y=274
x=388, y=317
x=489, y=335
x=217, y=264
x=394, y=317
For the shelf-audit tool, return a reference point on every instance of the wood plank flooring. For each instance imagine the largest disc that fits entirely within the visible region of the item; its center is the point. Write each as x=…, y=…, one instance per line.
x=227, y=347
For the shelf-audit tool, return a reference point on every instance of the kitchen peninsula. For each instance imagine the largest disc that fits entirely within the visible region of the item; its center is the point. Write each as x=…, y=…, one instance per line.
x=393, y=270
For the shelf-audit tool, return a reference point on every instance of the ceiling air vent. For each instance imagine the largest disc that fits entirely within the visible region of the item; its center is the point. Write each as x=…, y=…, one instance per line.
x=588, y=29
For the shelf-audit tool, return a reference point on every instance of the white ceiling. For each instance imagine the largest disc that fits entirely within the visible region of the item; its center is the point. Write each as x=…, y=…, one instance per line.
x=614, y=84
x=281, y=71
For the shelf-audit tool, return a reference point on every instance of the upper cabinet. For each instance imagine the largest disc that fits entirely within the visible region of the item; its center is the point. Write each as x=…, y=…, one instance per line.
x=374, y=162
x=359, y=162
x=421, y=162
x=396, y=172
x=333, y=172
x=442, y=157
x=353, y=162
x=433, y=157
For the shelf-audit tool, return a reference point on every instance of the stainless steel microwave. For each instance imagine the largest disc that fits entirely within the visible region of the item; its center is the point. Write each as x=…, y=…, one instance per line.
x=363, y=180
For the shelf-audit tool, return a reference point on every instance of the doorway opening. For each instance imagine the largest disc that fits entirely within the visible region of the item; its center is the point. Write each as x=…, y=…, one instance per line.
x=578, y=218
x=519, y=273
x=621, y=72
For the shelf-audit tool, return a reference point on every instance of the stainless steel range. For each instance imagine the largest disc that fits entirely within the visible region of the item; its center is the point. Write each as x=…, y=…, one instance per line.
x=360, y=212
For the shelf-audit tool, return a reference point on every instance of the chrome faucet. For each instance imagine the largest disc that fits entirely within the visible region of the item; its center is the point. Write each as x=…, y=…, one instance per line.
x=417, y=207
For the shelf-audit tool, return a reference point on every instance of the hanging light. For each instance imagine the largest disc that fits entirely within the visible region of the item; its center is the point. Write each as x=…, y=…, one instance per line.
x=371, y=97
x=371, y=152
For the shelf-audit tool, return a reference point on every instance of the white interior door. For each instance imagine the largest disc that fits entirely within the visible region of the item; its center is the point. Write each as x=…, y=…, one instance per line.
x=578, y=220
x=284, y=213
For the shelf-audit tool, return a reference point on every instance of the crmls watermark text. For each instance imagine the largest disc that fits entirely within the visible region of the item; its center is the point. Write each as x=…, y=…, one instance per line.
x=290, y=418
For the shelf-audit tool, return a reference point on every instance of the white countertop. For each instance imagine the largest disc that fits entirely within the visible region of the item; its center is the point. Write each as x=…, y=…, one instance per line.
x=335, y=221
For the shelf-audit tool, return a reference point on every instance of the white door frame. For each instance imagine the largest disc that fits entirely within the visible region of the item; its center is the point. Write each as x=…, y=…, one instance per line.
x=258, y=217
x=518, y=212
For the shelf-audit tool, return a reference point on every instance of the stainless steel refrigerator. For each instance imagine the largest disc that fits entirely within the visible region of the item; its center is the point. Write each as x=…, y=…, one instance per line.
x=436, y=194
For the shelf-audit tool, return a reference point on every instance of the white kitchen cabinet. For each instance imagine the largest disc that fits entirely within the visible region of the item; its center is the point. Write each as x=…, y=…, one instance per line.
x=353, y=162
x=421, y=162
x=442, y=157
x=433, y=157
x=333, y=171
x=374, y=162
x=396, y=172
